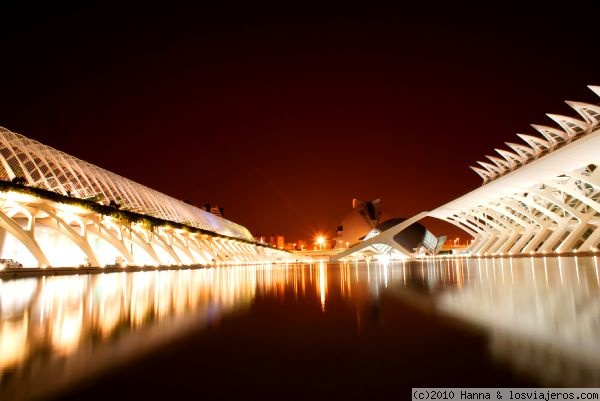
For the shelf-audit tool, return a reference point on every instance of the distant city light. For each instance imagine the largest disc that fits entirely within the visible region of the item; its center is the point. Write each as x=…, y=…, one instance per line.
x=320, y=241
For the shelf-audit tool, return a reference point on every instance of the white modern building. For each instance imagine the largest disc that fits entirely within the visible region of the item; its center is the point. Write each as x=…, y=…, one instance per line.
x=538, y=196
x=57, y=210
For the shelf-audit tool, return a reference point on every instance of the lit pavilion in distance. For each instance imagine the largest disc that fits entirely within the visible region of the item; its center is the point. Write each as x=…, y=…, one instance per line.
x=540, y=197
x=60, y=211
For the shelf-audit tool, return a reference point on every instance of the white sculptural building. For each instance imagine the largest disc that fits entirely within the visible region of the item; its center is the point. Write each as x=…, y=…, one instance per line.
x=57, y=210
x=540, y=196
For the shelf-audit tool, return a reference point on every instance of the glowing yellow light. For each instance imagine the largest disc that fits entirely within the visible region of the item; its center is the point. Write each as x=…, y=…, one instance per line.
x=13, y=342
x=18, y=197
x=322, y=285
x=67, y=332
x=71, y=209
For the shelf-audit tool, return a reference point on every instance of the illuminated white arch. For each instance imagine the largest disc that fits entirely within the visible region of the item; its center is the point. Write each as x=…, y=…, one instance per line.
x=48, y=168
x=548, y=203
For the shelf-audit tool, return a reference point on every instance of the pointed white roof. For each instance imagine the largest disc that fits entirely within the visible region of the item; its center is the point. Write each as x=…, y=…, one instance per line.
x=595, y=89
x=539, y=145
x=484, y=174
x=571, y=125
x=524, y=151
x=553, y=135
x=513, y=159
x=590, y=112
x=493, y=169
x=501, y=163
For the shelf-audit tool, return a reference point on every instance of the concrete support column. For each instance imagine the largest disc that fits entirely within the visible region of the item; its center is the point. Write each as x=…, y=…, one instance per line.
x=592, y=241
x=25, y=237
x=113, y=239
x=574, y=236
x=526, y=236
x=553, y=239
x=2, y=237
x=145, y=245
x=199, y=255
x=158, y=240
x=177, y=242
x=535, y=241
x=205, y=249
x=212, y=249
x=508, y=244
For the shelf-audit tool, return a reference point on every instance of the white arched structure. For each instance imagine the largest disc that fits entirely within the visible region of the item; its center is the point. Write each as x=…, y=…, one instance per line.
x=42, y=230
x=540, y=197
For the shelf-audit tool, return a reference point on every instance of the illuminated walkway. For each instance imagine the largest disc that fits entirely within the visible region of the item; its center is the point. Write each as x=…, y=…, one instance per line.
x=57, y=210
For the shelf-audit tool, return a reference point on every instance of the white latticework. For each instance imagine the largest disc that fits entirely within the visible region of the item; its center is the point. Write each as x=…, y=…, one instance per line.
x=44, y=167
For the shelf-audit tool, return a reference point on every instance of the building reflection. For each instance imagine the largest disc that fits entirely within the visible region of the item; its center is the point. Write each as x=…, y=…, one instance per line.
x=71, y=321
x=59, y=315
x=542, y=315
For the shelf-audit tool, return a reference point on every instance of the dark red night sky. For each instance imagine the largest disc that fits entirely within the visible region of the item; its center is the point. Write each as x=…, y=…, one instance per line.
x=282, y=116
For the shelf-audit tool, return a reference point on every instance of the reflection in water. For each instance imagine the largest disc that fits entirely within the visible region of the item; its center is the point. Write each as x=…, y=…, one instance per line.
x=77, y=322
x=322, y=284
x=542, y=315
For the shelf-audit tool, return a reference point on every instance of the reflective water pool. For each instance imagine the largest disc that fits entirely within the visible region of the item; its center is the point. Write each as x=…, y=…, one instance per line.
x=303, y=331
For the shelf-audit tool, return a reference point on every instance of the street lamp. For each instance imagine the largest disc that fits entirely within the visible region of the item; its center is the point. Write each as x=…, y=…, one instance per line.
x=320, y=241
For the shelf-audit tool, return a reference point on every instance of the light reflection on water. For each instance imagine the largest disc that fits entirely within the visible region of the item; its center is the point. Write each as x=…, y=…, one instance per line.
x=55, y=330
x=542, y=315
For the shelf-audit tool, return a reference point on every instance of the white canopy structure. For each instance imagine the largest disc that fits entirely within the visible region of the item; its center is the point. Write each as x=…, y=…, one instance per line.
x=57, y=210
x=44, y=167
